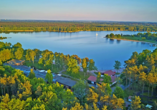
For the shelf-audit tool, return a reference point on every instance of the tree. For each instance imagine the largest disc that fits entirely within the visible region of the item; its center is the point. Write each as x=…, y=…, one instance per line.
x=107, y=79
x=95, y=106
x=49, y=76
x=98, y=77
x=112, y=35
x=17, y=45
x=143, y=78
x=84, y=65
x=37, y=52
x=92, y=97
x=72, y=66
x=40, y=61
x=91, y=65
x=119, y=36
x=135, y=104
x=154, y=105
x=119, y=92
x=5, y=55
x=31, y=74
x=30, y=55
x=104, y=89
x=108, y=35
x=116, y=102
x=19, y=53
x=80, y=90
x=151, y=81
x=104, y=107
x=117, y=65
x=2, y=45
x=77, y=107
x=149, y=61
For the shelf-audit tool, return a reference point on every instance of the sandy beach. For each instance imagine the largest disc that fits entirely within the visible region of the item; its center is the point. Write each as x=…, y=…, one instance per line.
x=134, y=40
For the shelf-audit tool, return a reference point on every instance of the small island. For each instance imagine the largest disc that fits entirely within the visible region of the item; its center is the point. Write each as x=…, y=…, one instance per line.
x=1, y=38
x=142, y=37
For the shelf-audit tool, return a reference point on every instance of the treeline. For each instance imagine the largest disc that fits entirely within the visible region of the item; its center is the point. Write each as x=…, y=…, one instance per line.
x=20, y=26
x=45, y=59
x=139, y=36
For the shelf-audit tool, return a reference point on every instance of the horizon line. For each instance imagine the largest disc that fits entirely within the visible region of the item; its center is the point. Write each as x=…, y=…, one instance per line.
x=72, y=20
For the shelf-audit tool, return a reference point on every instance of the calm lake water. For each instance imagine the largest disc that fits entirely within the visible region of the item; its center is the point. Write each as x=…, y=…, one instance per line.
x=84, y=44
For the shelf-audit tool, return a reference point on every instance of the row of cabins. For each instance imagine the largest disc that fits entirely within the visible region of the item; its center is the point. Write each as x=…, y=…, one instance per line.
x=67, y=82
x=18, y=64
x=92, y=79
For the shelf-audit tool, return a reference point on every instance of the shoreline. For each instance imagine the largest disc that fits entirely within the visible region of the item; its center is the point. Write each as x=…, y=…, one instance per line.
x=63, y=31
x=133, y=40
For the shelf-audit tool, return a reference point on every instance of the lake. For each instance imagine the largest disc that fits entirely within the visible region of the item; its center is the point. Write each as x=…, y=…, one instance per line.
x=84, y=44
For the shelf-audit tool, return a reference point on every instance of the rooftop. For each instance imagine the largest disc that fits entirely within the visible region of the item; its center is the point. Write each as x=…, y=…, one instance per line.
x=93, y=78
x=15, y=61
x=109, y=72
x=113, y=78
x=65, y=81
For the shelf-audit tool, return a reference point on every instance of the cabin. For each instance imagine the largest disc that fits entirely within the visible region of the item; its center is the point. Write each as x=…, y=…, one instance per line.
x=92, y=80
x=113, y=79
x=68, y=83
x=16, y=62
x=109, y=72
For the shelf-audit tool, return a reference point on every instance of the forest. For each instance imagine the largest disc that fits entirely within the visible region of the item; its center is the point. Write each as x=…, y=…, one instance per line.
x=146, y=37
x=74, y=26
x=19, y=92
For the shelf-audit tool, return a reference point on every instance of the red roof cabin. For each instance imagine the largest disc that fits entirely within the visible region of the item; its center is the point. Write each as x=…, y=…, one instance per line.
x=92, y=79
x=109, y=72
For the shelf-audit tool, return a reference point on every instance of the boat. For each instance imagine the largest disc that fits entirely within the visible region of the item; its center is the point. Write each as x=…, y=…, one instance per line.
x=96, y=34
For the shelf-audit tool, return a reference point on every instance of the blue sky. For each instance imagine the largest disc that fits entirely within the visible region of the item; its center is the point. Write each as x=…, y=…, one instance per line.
x=110, y=10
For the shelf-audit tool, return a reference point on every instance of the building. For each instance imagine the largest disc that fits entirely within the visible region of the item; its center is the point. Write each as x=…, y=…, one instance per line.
x=113, y=78
x=109, y=72
x=92, y=80
x=68, y=83
x=16, y=62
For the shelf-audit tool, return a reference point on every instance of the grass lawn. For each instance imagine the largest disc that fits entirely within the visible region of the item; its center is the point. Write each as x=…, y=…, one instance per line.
x=79, y=75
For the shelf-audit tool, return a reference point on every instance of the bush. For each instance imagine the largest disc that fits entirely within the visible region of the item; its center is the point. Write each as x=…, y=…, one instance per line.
x=143, y=38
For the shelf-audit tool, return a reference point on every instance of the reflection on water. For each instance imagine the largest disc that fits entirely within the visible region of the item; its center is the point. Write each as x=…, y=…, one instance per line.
x=118, y=41
x=104, y=51
x=111, y=41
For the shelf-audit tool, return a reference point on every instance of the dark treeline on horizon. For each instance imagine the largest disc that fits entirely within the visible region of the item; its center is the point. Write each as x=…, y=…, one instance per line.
x=74, y=26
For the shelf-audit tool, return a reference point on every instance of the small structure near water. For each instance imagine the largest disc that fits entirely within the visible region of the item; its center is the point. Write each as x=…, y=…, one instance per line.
x=16, y=62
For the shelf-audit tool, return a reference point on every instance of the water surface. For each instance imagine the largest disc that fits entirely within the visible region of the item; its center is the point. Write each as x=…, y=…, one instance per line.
x=84, y=44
